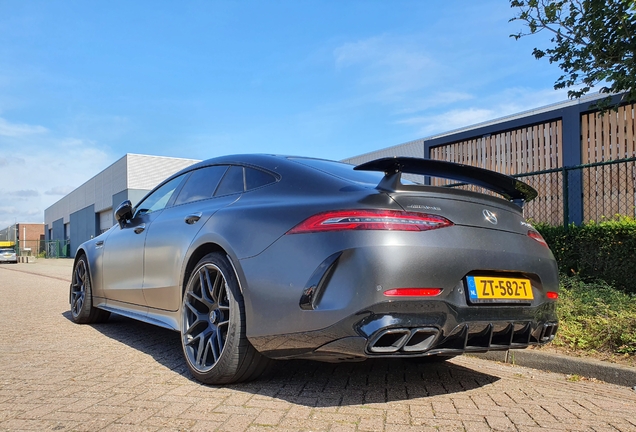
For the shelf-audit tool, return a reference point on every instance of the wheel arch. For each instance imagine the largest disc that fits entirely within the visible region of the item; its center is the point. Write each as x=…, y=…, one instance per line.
x=80, y=251
x=201, y=251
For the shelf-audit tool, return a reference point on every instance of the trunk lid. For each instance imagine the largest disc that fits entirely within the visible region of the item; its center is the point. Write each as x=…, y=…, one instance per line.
x=464, y=208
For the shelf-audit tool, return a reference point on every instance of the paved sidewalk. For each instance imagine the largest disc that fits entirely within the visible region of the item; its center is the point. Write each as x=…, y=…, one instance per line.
x=58, y=268
x=130, y=376
x=554, y=362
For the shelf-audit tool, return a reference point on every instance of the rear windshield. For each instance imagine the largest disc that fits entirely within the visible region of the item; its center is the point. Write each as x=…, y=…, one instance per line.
x=342, y=170
x=7, y=250
x=345, y=171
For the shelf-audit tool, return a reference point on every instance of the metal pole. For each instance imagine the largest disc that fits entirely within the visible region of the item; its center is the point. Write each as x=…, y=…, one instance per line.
x=566, y=198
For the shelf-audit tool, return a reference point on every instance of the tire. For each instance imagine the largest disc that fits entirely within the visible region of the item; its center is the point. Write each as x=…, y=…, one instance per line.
x=81, y=296
x=213, y=326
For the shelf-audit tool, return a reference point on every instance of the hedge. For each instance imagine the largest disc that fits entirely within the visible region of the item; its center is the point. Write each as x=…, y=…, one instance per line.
x=595, y=251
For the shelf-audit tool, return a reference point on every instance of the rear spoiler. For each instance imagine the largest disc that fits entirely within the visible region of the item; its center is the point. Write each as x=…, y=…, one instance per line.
x=511, y=188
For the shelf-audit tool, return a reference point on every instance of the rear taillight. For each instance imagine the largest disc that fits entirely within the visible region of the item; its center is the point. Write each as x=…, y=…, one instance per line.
x=341, y=220
x=534, y=235
x=412, y=292
x=552, y=295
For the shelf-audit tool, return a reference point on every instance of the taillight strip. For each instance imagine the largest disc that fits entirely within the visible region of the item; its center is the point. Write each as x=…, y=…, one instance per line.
x=412, y=292
x=342, y=220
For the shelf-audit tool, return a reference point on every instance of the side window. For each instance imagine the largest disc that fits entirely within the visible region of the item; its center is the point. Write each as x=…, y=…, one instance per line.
x=232, y=182
x=256, y=178
x=159, y=198
x=201, y=184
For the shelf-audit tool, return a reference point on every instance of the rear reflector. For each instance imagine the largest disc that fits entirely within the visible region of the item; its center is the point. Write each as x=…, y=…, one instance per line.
x=412, y=292
x=534, y=235
x=552, y=295
x=341, y=220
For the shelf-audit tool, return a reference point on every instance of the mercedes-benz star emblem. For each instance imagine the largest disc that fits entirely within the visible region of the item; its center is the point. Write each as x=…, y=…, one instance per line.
x=490, y=217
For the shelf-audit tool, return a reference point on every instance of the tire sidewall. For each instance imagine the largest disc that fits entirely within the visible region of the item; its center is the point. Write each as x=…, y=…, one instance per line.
x=226, y=367
x=84, y=314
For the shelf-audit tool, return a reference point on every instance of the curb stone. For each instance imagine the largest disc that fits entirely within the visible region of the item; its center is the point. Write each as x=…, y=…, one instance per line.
x=552, y=362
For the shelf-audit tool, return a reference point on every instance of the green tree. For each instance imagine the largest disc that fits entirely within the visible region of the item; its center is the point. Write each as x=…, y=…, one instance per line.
x=593, y=42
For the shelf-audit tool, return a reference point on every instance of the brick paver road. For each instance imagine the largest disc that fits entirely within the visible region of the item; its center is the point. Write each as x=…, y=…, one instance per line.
x=129, y=376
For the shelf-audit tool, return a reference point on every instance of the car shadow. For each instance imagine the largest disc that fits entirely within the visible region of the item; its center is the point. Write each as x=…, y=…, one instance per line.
x=311, y=383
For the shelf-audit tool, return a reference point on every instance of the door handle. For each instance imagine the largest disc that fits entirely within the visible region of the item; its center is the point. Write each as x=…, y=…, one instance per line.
x=140, y=229
x=193, y=218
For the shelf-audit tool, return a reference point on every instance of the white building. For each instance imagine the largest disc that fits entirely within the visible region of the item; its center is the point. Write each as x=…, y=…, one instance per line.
x=88, y=210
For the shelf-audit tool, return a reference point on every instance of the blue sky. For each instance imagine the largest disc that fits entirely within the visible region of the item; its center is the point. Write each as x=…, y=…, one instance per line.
x=84, y=82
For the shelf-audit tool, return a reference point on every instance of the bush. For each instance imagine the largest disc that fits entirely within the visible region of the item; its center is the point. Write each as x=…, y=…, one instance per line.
x=595, y=317
x=596, y=251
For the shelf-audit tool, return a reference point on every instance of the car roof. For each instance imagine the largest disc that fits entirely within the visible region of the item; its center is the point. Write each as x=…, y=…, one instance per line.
x=279, y=164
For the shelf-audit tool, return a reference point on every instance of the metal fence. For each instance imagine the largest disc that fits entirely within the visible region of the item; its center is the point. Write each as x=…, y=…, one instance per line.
x=28, y=247
x=583, y=193
x=44, y=249
x=577, y=194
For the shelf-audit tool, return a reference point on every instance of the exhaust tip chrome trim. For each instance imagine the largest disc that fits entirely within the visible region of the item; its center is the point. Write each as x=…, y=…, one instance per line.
x=389, y=340
x=421, y=339
x=402, y=339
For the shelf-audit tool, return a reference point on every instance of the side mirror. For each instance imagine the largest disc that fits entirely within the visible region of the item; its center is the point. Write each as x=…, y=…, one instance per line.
x=123, y=213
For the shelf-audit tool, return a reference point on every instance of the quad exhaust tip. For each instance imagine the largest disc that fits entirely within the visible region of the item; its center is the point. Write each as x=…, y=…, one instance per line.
x=407, y=340
x=549, y=331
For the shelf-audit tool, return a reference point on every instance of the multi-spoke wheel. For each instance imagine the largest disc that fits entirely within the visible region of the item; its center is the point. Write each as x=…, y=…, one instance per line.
x=81, y=296
x=213, y=326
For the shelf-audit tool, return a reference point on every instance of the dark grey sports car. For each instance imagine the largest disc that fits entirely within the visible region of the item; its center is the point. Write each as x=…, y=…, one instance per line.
x=258, y=257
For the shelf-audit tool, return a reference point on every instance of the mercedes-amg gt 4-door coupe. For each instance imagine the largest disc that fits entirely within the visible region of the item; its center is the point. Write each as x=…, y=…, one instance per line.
x=259, y=257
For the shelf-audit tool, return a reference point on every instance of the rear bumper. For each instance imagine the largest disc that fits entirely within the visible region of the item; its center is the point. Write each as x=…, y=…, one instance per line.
x=418, y=328
x=9, y=260
x=323, y=296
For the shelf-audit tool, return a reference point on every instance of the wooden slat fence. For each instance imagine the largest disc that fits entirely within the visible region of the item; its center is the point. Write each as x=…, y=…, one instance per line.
x=519, y=151
x=608, y=190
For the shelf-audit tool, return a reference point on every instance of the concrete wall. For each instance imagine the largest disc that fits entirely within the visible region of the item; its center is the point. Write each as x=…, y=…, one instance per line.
x=97, y=191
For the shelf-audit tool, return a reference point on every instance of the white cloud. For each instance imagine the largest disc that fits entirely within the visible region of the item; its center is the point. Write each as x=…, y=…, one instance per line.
x=435, y=100
x=501, y=104
x=39, y=167
x=25, y=193
x=8, y=210
x=434, y=87
x=19, y=130
x=447, y=121
x=392, y=66
x=60, y=190
x=6, y=161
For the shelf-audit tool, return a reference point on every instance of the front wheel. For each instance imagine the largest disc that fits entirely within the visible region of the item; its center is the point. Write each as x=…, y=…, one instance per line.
x=81, y=296
x=213, y=326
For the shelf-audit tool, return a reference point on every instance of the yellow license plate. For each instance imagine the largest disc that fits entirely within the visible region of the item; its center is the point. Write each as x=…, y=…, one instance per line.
x=487, y=288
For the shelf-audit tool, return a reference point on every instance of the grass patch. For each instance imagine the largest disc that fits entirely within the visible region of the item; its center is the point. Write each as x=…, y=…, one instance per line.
x=594, y=316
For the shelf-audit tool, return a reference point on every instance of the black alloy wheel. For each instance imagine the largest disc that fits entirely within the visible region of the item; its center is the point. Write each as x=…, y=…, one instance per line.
x=81, y=296
x=213, y=326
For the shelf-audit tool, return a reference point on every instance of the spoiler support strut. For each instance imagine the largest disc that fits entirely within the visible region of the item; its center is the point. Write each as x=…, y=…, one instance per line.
x=509, y=187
